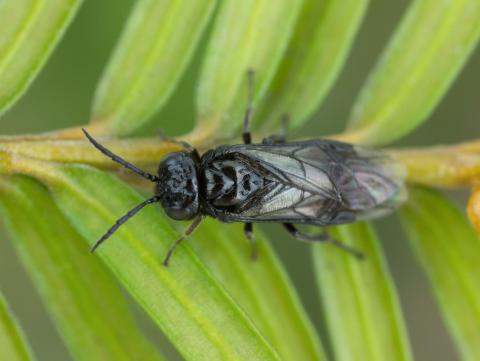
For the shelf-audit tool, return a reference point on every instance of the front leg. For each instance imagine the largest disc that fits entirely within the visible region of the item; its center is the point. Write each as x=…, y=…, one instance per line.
x=322, y=237
x=166, y=138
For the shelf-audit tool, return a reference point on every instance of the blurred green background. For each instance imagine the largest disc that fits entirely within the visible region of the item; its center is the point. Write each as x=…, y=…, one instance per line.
x=61, y=96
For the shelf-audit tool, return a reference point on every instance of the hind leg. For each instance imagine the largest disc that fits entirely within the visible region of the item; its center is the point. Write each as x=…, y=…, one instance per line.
x=321, y=237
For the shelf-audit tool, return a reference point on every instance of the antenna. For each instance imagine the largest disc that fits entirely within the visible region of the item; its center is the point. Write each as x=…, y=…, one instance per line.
x=123, y=219
x=119, y=160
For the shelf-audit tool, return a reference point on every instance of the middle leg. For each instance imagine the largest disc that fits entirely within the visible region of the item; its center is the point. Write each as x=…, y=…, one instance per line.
x=248, y=231
x=246, y=135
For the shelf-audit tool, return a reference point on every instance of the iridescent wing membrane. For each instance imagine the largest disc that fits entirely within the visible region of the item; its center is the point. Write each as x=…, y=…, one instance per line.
x=316, y=182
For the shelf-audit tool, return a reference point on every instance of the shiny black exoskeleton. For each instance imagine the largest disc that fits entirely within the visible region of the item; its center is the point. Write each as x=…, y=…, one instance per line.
x=318, y=182
x=177, y=185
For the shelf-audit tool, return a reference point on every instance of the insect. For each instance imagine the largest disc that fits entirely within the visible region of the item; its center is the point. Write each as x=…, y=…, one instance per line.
x=315, y=182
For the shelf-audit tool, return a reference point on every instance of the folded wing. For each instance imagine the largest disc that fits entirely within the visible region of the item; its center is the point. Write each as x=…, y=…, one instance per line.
x=320, y=182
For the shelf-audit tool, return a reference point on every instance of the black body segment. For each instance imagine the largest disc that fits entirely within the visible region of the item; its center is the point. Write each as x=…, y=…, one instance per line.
x=311, y=182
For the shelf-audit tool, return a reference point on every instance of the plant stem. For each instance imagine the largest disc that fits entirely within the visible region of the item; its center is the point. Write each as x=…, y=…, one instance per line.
x=441, y=166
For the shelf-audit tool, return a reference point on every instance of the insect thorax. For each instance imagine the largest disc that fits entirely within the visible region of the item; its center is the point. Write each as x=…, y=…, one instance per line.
x=229, y=183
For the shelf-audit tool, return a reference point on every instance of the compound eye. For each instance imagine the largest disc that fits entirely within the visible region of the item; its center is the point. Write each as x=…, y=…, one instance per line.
x=181, y=213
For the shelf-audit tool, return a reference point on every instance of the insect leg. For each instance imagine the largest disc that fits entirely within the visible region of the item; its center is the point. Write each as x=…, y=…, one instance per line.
x=119, y=160
x=322, y=237
x=248, y=231
x=188, y=231
x=279, y=138
x=122, y=220
x=247, y=137
x=188, y=147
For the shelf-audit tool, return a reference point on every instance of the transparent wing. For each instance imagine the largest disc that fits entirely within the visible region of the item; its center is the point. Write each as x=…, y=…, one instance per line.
x=320, y=182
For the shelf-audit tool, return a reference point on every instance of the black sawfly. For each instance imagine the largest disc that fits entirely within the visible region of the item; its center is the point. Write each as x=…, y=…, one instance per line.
x=314, y=182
